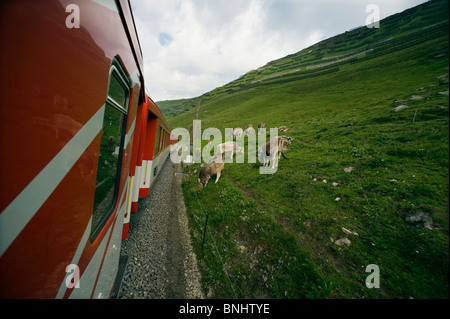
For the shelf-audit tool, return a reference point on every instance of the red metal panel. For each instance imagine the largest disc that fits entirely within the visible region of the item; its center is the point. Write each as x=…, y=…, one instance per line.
x=150, y=143
x=143, y=134
x=154, y=109
x=40, y=102
x=137, y=138
x=34, y=265
x=53, y=80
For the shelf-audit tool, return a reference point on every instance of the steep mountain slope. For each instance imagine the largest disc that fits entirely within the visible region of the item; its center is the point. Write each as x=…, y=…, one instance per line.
x=172, y=108
x=369, y=162
x=397, y=32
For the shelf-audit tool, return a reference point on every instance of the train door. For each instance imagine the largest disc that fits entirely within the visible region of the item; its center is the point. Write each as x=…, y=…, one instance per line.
x=108, y=207
x=147, y=163
x=135, y=165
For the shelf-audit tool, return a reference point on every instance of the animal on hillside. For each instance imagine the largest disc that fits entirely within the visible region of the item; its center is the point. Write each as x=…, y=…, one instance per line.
x=288, y=139
x=285, y=128
x=260, y=127
x=248, y=130
x=210, y=169
x=264, y=152
x=237, y=132
x=231, y=147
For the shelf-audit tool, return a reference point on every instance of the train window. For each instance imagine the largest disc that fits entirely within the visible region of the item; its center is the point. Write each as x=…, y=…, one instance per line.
x=156, y=146
x=116, y=92
x=161, y=138
x=111, y=145
x=164, y=140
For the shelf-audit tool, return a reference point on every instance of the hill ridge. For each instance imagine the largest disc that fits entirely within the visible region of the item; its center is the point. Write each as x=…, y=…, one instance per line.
x=363, y=43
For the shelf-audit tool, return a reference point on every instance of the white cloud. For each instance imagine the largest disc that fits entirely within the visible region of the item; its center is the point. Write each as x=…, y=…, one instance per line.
x=192, y=46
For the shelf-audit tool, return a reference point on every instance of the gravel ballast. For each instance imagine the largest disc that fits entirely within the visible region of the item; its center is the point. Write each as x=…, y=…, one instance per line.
x=161, y=262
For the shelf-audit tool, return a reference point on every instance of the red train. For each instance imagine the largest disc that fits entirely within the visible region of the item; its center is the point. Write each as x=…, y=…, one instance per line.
x=80, y=141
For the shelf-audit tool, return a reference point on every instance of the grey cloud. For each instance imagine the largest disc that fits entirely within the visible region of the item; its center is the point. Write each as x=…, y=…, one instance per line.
x=193, y=46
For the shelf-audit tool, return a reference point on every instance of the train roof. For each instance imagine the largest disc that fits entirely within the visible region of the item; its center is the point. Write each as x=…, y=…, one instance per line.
x=128, y=20
x=154, y=109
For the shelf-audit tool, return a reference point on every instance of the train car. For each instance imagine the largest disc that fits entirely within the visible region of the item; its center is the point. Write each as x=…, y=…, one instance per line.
x=79, y=140
x=150, y=151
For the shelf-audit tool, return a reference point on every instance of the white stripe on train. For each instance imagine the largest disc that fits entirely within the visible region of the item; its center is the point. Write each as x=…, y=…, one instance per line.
x=22, y=209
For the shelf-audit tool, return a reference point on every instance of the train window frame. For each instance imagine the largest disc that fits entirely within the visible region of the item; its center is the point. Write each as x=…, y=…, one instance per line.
x=157, y=141
x=117, y=76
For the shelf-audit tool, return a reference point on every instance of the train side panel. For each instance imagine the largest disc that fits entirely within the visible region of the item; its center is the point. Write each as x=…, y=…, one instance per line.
x=133, y=165
x=64, y=135
x=156, y=149
x=152, y=151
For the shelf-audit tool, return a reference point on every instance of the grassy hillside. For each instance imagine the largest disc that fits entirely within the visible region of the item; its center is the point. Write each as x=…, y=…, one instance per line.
x=172, y=108
x=375, y=100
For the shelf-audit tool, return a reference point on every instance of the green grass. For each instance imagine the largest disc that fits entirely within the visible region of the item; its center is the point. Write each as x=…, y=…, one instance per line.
x=173, y=107
x=268, y=236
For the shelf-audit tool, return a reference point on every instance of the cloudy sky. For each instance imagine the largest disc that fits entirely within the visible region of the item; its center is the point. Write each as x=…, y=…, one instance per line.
x=191, y=47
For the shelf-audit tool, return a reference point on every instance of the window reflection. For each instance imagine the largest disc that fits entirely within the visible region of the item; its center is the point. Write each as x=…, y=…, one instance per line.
x=109, y=160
